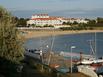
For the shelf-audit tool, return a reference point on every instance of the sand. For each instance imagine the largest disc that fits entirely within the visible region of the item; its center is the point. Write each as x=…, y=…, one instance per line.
x=42, y=33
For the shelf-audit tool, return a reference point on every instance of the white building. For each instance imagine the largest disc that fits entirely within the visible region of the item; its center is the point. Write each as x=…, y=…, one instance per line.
x=43, y=19
x=78, y=20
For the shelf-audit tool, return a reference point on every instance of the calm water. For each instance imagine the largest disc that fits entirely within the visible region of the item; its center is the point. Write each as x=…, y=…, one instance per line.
x=64, y=42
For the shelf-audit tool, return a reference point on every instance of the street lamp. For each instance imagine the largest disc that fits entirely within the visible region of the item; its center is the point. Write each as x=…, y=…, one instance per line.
x=72, y=47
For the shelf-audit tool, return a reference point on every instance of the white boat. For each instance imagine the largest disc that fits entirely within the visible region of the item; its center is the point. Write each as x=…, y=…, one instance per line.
x=93, y=62
x=33, y=53
x=90, y=61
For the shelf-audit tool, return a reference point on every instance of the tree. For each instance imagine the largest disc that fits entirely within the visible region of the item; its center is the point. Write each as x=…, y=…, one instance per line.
x=21, y=22
x=75, y=23
x=100, y=20
x=67, y=23
x=92, y=22
x=10, y=41
x=64, y=23
x=46, y=25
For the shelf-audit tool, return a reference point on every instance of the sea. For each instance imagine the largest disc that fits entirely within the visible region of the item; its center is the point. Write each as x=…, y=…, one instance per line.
x=87, y=43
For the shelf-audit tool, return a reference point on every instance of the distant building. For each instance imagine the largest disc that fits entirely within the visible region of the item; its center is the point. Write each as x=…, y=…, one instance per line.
x=78, y=20
x=45, y=19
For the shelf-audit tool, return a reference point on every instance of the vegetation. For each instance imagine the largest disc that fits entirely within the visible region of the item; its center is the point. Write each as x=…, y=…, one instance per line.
x=11, y=50
x=92, y=24
x=48, y=25
x=21, y=22
x=67, y=23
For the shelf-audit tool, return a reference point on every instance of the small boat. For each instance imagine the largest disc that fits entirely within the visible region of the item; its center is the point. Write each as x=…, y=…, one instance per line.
x=34, y=53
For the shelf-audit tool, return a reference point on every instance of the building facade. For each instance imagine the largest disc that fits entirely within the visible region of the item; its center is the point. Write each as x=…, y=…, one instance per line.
x=45, y=19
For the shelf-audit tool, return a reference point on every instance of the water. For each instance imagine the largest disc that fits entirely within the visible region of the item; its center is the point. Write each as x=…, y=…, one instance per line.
x=64, y=43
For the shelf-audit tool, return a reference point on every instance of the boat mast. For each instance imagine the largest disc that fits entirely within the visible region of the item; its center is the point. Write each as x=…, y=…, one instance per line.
x=52, y=43
x=95, y=46
x=41, y=50
x=91, y=48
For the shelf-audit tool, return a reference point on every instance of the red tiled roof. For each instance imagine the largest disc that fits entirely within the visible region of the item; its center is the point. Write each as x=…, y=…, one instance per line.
x=40, y=14
x=44, y=19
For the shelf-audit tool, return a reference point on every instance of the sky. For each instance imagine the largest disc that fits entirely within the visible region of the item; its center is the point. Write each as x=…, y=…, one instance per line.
x=67, y=8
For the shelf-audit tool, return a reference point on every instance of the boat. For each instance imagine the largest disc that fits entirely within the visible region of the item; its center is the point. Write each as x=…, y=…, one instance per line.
x=34, y=53
x=98, y=61
x=92, y=62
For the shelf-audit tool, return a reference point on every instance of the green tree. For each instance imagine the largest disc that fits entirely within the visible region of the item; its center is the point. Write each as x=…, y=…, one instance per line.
x=46, y=25
x=10, y=41
x=75, y=23
x=92, y=22
x=100, y=20
x=67, y=23
x=21, y=22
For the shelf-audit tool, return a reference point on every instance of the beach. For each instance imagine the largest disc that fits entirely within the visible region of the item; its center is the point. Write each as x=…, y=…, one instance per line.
x=43, y=33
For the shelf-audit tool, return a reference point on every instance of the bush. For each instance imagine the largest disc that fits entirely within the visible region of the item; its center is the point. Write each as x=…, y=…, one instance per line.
x=8, y=68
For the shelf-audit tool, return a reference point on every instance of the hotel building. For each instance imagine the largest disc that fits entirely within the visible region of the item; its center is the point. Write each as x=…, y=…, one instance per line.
x=45, y=19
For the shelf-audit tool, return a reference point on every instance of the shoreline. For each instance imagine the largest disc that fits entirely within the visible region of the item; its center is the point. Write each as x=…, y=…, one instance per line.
x=42, y=33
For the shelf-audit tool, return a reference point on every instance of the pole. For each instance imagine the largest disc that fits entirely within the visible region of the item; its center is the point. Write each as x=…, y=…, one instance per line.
x=71, y=57
x=52, y=43
x=71, y=61
x=95, y=46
